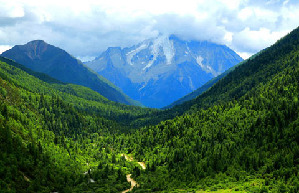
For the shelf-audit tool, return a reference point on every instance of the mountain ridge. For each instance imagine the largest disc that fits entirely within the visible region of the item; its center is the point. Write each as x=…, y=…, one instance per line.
x=243, y=129
x=161, y=70
x=241, y=135
x=57, y=63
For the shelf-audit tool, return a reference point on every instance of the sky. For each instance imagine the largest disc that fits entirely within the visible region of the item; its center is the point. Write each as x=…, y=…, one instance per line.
x=87, y=28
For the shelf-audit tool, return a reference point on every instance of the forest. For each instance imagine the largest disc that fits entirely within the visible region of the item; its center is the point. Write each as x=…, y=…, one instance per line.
x=242, y=134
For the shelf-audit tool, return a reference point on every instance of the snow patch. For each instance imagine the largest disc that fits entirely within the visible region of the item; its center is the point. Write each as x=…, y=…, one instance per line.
x=132, y=53
x=188, y=48
x=191, y=83
x=143, y=86
x=199, y=60
x=97, y=59
x=167, y=47
x=181, y=79
x=206, y=68
x=150, y=63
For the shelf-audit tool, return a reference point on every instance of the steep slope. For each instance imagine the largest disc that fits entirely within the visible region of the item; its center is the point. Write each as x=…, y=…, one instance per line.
x=240, y=135
x=260, y=68
x=57, y=63
x=159, y=71
x=82, y=98
x=39, y=75
x=46, y=142
x=201, y=89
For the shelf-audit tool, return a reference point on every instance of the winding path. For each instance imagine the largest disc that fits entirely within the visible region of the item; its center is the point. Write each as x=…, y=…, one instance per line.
x=133, y=183
x=129, y=179
x=142, y=164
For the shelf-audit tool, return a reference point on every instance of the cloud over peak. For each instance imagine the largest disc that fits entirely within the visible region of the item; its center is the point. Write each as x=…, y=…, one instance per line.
x=86, y=28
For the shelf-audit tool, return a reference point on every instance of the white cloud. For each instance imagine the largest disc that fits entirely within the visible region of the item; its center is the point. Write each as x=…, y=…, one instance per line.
x=11, y=9
x=245, y=13
x=3, y=48
x=245, y=55
x=286, y=2
x=86, y=28
x=232, y=4
x=255, y=39
x=228, y=37
x=86, y=58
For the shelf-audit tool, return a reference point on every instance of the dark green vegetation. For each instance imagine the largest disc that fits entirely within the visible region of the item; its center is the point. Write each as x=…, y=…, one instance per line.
x=51, y=133
x=242, y=134
x=42, y=57
x=245, y=128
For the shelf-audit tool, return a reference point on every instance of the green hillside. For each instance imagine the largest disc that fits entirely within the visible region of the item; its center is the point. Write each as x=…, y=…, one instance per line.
x=41, y=57
x=82, y=98
x=260, y=68
x=52, y=133
x=241, y=135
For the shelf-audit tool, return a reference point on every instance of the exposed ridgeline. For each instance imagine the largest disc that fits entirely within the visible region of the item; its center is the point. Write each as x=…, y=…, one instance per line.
x=161, y=70
x=57, y=63
x=242, y=134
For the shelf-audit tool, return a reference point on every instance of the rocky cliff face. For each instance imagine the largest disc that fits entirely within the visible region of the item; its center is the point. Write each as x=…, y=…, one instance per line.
x=159, y=71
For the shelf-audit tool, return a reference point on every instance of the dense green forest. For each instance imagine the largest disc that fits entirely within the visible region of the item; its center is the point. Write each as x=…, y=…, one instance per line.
x=244, y=129
x=242, y=134
x=82, y=98
x=52, y=133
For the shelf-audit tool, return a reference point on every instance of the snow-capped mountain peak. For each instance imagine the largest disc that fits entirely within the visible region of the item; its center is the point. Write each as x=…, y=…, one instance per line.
x=158, y=71
x=163, y=42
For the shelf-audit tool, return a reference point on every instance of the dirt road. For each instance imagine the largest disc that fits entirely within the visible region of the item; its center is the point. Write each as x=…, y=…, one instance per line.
x=142, y=164
x=133, y=183
x=129, y=179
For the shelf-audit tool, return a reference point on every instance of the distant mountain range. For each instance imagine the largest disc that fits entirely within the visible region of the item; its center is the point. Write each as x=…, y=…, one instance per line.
x=57, y=63
x=159, y=71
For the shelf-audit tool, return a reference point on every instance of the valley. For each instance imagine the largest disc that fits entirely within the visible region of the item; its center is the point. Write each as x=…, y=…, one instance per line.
x=80, y=133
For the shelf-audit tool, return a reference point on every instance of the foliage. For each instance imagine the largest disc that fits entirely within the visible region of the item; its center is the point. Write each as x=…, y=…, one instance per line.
x=240, y=135
x=245, y=126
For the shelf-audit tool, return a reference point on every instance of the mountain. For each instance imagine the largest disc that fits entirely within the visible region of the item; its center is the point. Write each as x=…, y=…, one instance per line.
x=82, y=98
x=57, y=63
x=201, y=89
x=47, y=129
x=241, y=135
x=159, y=71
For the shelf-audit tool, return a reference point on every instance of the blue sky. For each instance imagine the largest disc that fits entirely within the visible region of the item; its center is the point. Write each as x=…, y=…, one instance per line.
x=86, y=28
